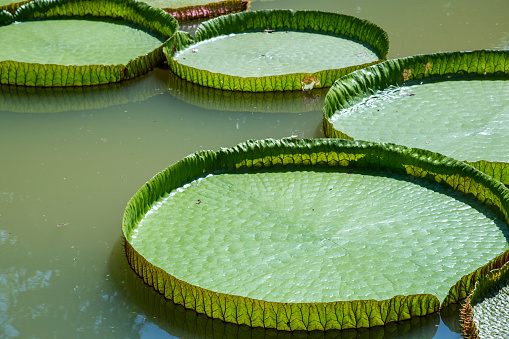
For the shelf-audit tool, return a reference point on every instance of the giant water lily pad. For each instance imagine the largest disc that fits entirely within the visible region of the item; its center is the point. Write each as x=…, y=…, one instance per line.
x=187, y=10
x=453, y=103
x=316, y=234
x=276, y=50
x=485, y=312
x=82, y=43
x=75, y=42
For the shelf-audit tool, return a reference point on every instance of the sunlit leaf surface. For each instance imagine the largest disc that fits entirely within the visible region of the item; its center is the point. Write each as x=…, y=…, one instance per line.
x=25, y=67
x=295, y=60
x=269, y=277
x=453, y=103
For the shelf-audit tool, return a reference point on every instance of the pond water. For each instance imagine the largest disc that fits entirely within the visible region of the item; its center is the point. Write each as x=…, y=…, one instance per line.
x=66, y=177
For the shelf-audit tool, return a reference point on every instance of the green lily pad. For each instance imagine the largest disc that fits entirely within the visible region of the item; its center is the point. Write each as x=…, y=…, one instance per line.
x=279, y=235
x=258, y=54
x=75, y=42
x=453, y=103
x=276, y=50
x=188, y=10
x=343, y=230
x=123, y=39
x=485, y=311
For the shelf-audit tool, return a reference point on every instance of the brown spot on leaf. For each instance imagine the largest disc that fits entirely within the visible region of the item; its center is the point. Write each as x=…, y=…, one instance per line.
x=309, y=81
x=427, y=67
x=406, y=74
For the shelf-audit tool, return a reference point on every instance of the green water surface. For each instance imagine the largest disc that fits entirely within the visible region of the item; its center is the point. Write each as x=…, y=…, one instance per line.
x=74, y=42
x=464, y=119
x=319, y=236
x=258, y=54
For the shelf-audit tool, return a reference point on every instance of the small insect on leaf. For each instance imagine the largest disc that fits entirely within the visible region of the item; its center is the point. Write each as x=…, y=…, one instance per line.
x=198, y=201
x=62, y=224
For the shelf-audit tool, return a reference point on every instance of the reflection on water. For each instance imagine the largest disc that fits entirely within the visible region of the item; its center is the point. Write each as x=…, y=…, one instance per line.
x=263, y=102
x=16, y=283
x=79, y=166
x=60, y=99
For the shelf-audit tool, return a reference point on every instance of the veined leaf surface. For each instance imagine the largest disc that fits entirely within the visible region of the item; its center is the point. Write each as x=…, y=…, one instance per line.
x=319, y=235
x=75, y=42
x=296, y=219
x=453, y=103
x=367, y=44
x=42, y=73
